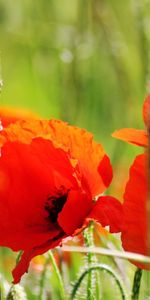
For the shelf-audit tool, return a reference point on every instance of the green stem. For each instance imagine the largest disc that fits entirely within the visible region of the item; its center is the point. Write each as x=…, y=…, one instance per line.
x=1, y=292
x=136, y=284
x=89, y=242
x=88, y=238
x=2, y=289
x=42, y=281
x=146, y=280
x=100, y=267
x=58, y=275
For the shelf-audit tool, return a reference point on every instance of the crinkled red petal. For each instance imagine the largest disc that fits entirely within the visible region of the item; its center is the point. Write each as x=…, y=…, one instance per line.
x=108, y=212
x=29, y=175
x=9, y=115
x=23, y=264
x=78, y=141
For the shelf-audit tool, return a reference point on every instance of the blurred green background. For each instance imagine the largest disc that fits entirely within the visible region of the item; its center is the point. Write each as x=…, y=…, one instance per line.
x=84, y=61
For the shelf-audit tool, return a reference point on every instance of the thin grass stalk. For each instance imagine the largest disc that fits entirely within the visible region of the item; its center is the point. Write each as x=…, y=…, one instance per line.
x=102, y=251
x=58, y=275
x=42, y=280
x=1, y=289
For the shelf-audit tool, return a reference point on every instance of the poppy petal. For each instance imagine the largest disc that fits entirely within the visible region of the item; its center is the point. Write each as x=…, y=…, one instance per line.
x=132, y=136
x=23, y=264
x=29, y=175
x=74, y=212
x=10, y=115
x=146, y=111
x=78, y=141
x=105, y=169
x=108, y=212
x=134, y=233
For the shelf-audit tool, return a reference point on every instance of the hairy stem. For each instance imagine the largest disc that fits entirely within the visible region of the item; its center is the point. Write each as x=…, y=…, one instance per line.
x=100, y=267
x=88, y=239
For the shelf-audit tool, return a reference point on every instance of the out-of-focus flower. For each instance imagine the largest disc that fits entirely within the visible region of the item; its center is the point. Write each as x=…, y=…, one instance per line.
x=135, y=231
x=38, y=263
x=50, y=174
x=136, y=136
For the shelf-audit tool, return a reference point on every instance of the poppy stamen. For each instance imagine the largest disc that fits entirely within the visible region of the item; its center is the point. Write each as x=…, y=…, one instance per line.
x=54, y=205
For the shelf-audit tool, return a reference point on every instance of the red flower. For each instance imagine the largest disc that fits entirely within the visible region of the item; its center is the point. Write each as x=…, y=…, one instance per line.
x=50, y=175
x=135, y=232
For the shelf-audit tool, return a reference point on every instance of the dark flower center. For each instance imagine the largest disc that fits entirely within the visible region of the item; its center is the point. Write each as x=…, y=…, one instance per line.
x=54, y=205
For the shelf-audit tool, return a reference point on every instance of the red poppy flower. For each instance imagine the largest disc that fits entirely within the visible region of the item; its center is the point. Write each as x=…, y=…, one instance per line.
x=135, y=232
x=50, y=175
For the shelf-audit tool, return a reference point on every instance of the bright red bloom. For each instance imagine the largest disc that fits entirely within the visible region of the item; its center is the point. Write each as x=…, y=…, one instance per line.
x=50, y=175
x=135, y=232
